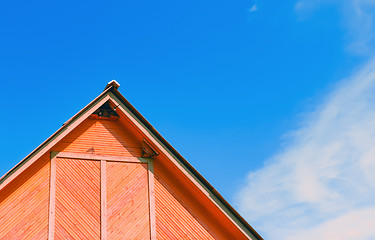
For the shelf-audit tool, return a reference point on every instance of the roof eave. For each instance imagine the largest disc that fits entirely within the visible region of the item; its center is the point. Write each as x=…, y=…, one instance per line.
x=185, y=162
x=53, y=136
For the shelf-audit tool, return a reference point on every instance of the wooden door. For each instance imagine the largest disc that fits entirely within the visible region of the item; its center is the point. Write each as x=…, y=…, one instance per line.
x=101, y=197
x=127, y=201
x=77, y=199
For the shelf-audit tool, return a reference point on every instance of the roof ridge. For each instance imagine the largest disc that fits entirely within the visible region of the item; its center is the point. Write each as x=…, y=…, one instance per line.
x=113, y=84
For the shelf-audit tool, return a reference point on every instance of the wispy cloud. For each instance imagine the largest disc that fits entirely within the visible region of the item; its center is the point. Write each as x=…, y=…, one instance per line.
x=358, y=19
x=253, y=8
x=322, y=186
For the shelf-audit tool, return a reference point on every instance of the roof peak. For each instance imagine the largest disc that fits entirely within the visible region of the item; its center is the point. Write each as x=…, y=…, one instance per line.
x=113, y=84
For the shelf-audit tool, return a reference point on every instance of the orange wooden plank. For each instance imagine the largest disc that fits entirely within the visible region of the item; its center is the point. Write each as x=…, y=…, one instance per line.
x=24, y=204
x=174, y=220
x=103, y=137
x=127, y=201
x=97, y=157
x=52, y=198
x=103, y=199
x=77, y=199
x=179, y=215
x=151, y=194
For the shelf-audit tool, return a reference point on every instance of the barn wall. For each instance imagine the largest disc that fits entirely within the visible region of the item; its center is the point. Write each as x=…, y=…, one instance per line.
x=182, y=210
x=77, y=199
x=99, y=136
x=179, y=216
x=127, y=201
x=195, y=212
x=126, y=183
x=24, y=204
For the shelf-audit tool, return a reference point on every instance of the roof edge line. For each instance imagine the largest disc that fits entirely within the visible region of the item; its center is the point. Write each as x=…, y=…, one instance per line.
x=3, y=179
x=154, y=133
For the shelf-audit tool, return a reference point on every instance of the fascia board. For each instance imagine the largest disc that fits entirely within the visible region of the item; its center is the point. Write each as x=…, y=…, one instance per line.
x=185, y=169
x=54, y=138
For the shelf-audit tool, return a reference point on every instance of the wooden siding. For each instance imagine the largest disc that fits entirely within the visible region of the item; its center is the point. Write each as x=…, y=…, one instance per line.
x=24, y=204
x=173, y=218
x=127, y=201
x=99, y=136
x=182, y=215
x=77, y=199
x=181, y=209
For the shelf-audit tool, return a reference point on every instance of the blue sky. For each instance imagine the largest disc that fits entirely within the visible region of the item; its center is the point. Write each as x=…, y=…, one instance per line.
x=237, y=87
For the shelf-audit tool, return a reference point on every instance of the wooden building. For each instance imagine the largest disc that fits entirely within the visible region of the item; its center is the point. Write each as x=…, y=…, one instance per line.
x=108, y=174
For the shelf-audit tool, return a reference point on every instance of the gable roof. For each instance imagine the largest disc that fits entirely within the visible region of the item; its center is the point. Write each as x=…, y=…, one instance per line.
x=112, y=94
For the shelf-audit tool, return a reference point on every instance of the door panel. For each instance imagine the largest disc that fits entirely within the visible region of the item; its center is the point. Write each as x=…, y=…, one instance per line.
x=77, y=199
x=127, y=201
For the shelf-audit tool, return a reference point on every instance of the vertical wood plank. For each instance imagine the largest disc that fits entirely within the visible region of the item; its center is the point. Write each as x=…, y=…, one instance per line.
x=52, y=197
x=103, y=199
x=151, y=189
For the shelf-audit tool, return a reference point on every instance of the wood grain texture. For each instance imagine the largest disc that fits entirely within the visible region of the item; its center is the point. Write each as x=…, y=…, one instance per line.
x=52, y=198
x=151, y=196
x=180, y=215
x=103, y=200
x=99, y=157
x=173, y=219
x=24, y=204
x=98, y=136
x=77, y=199
x=127, y=201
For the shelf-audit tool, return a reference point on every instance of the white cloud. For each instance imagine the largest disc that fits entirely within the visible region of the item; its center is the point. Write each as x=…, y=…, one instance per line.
x=358, y=19
x=253, y=8
x=322, y=186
